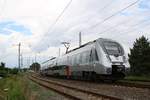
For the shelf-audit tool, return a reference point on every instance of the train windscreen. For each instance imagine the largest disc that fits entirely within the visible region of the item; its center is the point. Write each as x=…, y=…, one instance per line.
x=113, y=48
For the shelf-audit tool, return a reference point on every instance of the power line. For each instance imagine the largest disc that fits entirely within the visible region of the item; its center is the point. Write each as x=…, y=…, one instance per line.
x=134, y=26
x=131, y=31
x=111, y=28
x=105, y=6
x=122, y=23
x=57, y=19
x=114, y=14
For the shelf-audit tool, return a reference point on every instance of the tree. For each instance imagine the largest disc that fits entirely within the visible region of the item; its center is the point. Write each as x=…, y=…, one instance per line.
x=3, y=72
x=139, y=57
x=35, y=66
x=2, y=66
x=14, y=71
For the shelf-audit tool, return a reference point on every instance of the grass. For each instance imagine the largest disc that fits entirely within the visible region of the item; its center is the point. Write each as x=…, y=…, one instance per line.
x=19, y=87
x=40, y=93
x=11, y=88
x=138, y=78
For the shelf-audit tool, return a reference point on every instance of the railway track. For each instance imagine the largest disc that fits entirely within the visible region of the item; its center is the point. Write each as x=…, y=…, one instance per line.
x=71, y=92
x=133, y=84
x=126, y=83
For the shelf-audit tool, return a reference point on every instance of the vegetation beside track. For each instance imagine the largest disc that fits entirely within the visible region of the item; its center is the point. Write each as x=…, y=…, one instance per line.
x=139, y=57
x=19, y=87
x=13, y=87
x=138, y=78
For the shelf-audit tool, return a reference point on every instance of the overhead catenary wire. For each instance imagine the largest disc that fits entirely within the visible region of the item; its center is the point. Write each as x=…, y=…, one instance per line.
x=111, y=28
x=114, y=14
x=109, y=3
x=132, y=30
x=122, y=23
x=59, y=16
x=57, y=19
x=105, y=6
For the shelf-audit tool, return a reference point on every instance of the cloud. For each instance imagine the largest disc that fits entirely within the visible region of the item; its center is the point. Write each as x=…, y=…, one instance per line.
x=30, y=22
x=7, y=26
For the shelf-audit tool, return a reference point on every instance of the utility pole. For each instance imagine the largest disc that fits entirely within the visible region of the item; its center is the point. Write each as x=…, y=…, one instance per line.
x=35, y=58
x=80, y=39
x=67, y=45
x=28, y=61
x=19, y=56
x=21, y=60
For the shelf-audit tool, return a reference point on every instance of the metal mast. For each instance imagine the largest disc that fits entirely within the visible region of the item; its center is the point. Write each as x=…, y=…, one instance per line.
x=80, y=39
x=19, y=56
x=67, y=45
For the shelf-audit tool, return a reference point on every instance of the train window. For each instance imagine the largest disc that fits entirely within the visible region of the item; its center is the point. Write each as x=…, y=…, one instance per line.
x=95, y=55
x=113, y=48
x=84, y=57
x=74, y=60
x=71, y=60
x=76, y=57
x=68, y=60
x=64, y=61
x=87, y=56
x=80, y=58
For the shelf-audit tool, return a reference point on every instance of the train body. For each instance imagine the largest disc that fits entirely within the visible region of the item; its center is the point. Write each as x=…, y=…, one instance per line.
x=101, y=58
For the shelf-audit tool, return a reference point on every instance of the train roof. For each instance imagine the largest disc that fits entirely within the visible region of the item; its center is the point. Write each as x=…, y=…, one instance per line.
x=48, y=60
x=101, y=39
x=81, y=46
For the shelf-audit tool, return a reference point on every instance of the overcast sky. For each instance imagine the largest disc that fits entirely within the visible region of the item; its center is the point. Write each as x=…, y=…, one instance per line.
x=32, y=22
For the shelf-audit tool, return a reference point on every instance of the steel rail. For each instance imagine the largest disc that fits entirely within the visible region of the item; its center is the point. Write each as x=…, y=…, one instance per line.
x=102, y=96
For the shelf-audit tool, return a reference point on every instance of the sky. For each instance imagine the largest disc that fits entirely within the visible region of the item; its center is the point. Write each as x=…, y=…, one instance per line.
x=33, y=24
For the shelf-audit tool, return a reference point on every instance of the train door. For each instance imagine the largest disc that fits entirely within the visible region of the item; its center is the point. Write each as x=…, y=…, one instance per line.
x=93, y=59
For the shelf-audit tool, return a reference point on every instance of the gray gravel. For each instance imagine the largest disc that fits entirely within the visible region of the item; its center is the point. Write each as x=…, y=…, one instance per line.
x=122, y=92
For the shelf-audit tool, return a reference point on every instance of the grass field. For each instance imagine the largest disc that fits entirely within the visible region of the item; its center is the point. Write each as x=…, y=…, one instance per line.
x=12, y=88
x=19, y=87
x=138, y=78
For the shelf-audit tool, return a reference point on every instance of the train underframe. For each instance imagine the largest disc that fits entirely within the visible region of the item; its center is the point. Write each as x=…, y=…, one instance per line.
x=117, y=74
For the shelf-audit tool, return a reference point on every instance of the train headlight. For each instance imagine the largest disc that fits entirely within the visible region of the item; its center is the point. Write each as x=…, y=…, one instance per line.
x=109, y=70
x=121, y=68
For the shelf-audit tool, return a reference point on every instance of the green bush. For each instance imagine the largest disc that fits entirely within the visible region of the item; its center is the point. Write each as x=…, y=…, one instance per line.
x=3, y=73
x=14, y=71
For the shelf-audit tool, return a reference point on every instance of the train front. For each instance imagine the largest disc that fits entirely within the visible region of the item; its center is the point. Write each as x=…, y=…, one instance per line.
x=116, y=61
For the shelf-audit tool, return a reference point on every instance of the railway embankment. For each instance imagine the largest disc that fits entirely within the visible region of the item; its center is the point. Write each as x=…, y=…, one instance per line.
x=125, y=92
x=19, y=87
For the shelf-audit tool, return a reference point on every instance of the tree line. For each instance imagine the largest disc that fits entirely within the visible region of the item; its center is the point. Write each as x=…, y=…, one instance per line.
x=139, y=57
x=5, y=71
